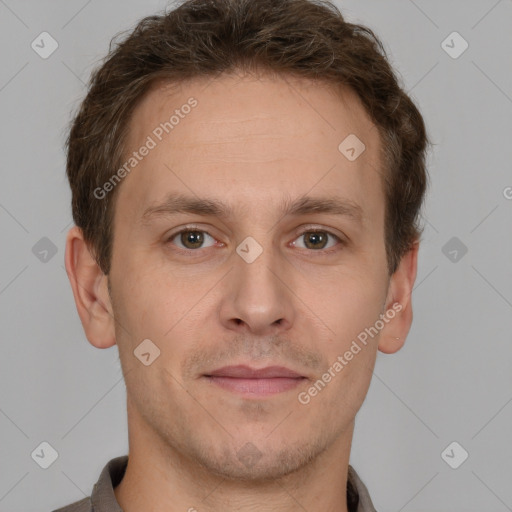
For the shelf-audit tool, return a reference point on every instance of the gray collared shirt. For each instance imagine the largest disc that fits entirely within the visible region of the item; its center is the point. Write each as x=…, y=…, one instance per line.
x=103, y=498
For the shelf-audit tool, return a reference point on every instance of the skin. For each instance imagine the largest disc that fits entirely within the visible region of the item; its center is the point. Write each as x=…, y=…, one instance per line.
x=252, y=142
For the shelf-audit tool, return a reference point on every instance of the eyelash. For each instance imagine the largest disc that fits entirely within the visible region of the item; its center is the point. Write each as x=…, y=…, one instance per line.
x=192, y=228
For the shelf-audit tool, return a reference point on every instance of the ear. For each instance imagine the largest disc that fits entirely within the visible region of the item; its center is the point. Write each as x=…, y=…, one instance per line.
x=90, y=289
x=399, y=300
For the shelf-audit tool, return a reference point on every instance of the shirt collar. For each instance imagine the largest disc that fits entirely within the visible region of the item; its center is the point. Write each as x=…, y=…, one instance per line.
x=104, y=500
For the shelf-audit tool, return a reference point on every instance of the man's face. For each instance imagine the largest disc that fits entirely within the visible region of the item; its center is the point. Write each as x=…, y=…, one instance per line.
x=255, y=146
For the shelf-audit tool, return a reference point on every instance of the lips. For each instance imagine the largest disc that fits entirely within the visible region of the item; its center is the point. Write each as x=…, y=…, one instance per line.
x=252, y=382
x=246, y=372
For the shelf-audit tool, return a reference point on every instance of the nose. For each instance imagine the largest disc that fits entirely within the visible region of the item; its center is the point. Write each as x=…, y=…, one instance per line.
x=258, y=297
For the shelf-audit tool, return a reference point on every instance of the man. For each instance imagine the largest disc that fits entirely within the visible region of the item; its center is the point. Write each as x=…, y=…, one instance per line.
x=247, y=177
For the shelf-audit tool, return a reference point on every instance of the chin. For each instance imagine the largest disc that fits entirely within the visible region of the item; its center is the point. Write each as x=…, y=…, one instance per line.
x=257, y=464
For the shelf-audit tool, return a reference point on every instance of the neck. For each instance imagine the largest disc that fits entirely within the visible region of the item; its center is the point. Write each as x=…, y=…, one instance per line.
x=160, y=477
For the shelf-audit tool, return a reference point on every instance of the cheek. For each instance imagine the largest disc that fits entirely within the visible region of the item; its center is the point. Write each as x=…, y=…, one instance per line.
x=350, y=354
x=347, y=302
x=153, y=303
x=349, y=387
x=139, y=308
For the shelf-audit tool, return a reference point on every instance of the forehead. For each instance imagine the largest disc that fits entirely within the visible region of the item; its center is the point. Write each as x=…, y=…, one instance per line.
x=248, y=134
x=244, y=102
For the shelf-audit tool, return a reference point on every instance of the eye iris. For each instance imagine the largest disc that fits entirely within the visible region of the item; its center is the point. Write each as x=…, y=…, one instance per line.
x=192, y=239
x=315, y=240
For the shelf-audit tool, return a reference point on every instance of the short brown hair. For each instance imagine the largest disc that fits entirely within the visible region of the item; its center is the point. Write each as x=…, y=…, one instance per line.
x=201, y=38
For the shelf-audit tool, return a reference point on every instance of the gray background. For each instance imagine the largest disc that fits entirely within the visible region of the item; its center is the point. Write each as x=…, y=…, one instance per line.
x=452, y=381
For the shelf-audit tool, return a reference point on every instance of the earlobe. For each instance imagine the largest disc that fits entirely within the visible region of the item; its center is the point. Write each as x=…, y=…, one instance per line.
x=399, y=303
x=90, y=290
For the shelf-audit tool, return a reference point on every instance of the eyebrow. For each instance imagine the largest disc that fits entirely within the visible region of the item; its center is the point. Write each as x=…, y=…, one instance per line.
x=179, y=203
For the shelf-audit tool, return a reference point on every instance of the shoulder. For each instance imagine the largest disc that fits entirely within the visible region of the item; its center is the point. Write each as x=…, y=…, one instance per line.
x=84, y=505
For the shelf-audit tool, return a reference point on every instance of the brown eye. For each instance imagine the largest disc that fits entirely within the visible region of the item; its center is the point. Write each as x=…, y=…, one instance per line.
x=191, y=239
x=316, y=240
